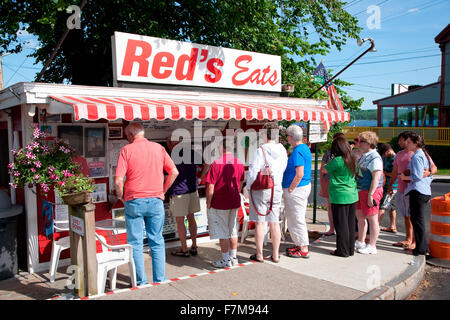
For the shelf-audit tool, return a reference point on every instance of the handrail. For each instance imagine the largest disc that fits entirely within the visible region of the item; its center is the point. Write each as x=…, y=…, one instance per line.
x=431, y=135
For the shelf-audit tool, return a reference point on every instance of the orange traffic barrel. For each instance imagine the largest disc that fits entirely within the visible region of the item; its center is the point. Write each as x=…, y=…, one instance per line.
x=440, y=227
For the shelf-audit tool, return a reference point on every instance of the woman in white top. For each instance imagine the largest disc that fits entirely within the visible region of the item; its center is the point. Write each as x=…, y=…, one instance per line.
x=276, y=157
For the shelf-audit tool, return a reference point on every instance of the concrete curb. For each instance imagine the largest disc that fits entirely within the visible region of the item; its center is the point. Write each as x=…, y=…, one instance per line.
x=401, y=287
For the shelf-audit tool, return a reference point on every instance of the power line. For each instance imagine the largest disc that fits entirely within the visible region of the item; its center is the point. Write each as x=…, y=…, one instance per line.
x=389, y=55
x=366, y=91
x=425, y=6
x=397, y=72
x=16, y=71
x=394, y=60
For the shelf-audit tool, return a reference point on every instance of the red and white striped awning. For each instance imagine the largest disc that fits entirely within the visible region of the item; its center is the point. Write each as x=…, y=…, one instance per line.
x=113, y=108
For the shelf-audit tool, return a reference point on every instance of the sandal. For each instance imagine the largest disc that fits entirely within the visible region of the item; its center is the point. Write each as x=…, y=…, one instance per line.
x=400, y=244
x=389, y=229
x=273, y=260
x=193, y=251
x=253, y=258
x=180, y=253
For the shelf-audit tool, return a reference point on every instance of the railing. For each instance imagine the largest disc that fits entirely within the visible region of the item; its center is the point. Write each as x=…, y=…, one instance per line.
x=438, y=136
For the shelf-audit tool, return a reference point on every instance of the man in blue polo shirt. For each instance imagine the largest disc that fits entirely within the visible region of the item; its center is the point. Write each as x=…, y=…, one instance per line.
x=296, y=189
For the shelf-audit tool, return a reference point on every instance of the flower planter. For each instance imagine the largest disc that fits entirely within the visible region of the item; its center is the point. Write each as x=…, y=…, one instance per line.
x=73, y=199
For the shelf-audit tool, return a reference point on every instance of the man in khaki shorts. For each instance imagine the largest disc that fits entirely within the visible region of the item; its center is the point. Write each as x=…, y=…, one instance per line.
x=184, y=200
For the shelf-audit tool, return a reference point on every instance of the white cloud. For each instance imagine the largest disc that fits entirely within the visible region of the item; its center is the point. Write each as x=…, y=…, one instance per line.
x=413, y=10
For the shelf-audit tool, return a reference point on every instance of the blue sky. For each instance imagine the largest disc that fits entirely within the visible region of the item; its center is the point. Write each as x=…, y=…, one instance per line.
x=406, y=35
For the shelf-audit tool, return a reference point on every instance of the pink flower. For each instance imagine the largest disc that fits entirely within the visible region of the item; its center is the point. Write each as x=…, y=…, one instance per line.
x=45, y=148
x=53, y=176
x=45, y=187
x=11, y=165
x=36, y=144
x=36, y=177
x=38, y=164
x=51, y=169
x=33, y=170
x=16, y=173
x=13, y=185
x=29, y=155
x=29, y=147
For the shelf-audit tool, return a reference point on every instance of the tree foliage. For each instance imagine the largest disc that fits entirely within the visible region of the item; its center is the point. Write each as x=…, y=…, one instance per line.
x=294, y=30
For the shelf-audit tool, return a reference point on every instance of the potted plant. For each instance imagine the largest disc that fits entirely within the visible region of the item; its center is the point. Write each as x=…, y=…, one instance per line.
x=75, y=188
x=48, y=163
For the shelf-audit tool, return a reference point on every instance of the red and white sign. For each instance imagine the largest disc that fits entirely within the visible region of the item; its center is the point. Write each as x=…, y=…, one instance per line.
x=154, y=60
x=77, y=225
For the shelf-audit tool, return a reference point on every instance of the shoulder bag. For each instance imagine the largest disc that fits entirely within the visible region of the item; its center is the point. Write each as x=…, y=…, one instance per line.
x=264, y=180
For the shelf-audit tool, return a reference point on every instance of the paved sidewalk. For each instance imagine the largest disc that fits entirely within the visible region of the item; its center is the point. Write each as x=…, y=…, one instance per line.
x=391, y=274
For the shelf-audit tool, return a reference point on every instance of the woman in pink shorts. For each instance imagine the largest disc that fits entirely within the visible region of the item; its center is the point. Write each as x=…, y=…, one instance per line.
x=370, y=191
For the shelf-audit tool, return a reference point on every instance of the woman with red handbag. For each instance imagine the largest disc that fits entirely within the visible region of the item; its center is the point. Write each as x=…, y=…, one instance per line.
x=264, y=188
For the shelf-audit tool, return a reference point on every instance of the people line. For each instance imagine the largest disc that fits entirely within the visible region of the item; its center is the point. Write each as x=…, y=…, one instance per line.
x=359, y=183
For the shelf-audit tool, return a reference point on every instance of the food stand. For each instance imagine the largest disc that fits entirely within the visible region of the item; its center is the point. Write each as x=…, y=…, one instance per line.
x=93, y=118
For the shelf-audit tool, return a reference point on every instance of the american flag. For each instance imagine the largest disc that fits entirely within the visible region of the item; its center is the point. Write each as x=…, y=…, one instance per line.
x=334, y=102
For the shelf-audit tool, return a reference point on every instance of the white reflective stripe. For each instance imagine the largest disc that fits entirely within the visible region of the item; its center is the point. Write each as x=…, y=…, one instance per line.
x=438, y=238
x=441, y=219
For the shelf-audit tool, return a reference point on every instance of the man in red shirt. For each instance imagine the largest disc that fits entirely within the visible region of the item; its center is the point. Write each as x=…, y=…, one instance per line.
x=143, y=163
x=223, y=200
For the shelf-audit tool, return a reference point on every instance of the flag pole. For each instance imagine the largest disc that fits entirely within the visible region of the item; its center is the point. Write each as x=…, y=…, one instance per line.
x=372, y=48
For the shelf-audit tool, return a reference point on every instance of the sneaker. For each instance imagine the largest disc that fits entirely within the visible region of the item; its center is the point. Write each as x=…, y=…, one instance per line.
x=368, y=250
x=359, y=245
x=222, y=263
x=298, y=254
x=292, y=249
x=234, y=261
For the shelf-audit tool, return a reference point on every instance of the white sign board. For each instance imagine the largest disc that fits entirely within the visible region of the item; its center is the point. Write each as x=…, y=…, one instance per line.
x=77, y=225
x=139, y=58
x=317, y=132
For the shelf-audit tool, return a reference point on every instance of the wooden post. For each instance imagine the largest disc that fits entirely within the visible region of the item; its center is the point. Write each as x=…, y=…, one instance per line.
x=83, y=248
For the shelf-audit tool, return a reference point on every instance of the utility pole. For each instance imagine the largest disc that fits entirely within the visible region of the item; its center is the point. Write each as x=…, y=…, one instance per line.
x=1, y=70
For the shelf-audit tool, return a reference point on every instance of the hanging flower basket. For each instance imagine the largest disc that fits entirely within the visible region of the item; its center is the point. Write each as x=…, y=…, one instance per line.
x=79, y=198
x=50, y=163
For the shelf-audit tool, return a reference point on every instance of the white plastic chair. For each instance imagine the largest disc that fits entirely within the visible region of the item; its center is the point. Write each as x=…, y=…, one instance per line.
x=244, y=232
x=58, y=246
x=108, y=261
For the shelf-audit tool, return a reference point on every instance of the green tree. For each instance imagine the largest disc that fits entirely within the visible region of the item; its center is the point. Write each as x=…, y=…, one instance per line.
x=294, y=30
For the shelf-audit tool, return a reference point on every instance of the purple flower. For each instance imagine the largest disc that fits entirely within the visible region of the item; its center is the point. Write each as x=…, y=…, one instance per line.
x=51, y=168
x=45, y=148
x=29, y=147
x=36, y=144
x=45, y=187
x=16, y=173
x=38, y=164
x=36, y=133
x=29, y=155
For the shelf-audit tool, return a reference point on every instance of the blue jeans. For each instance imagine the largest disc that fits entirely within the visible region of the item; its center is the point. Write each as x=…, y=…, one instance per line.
x=150, y=211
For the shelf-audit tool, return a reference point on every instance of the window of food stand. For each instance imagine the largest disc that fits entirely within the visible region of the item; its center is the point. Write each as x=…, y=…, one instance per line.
x=100, y=142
